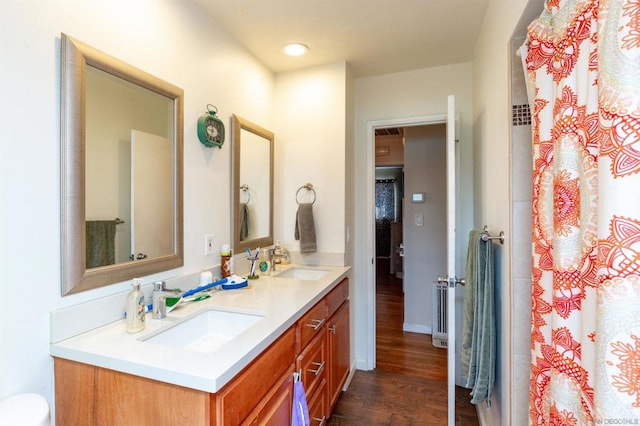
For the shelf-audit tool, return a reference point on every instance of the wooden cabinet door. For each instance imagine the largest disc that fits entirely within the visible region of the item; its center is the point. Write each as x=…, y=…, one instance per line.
x=339, y=352
x=87, y=395
x=75, y=385
x=317, y=405
x=123, y=399
x=244, y=393
x=277, y=409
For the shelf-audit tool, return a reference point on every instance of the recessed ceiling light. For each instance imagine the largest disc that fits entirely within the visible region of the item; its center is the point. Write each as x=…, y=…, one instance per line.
x=295, y=49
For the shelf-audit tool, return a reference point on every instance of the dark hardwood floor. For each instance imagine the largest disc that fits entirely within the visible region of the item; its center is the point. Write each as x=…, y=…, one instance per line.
x=409, y=384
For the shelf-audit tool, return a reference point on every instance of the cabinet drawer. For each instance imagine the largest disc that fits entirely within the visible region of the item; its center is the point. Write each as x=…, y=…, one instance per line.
x=338, y=295
x=237, y=399
x=317, y=404
x=312, y=363
x=310, y=324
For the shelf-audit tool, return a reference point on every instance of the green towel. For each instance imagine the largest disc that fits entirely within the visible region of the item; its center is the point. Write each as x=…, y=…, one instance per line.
x=479, y=328
x=471, y=278
x=100, y=247
x=244, y=221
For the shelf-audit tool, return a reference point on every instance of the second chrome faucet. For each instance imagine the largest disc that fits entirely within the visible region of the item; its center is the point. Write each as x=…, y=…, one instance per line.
x=278, y=255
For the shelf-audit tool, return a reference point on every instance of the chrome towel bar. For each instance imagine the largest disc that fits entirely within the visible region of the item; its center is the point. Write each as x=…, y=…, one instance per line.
x=487, y=237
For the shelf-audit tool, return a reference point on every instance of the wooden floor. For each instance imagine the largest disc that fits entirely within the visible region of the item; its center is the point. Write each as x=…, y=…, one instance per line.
x=409, y=384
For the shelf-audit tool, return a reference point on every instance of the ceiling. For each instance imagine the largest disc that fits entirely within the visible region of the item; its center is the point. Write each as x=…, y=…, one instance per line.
x=373, y=36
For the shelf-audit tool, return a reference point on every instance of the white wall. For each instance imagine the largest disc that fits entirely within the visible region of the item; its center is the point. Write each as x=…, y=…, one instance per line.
x=178, y=43
x=394, y=96
x=425, y=257
x=172, y=40
x=310, y=147
x=491, y=130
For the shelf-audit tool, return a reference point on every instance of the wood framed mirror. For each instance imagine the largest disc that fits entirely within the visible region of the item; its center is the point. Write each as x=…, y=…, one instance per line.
x=121, y=170
x=252, y=187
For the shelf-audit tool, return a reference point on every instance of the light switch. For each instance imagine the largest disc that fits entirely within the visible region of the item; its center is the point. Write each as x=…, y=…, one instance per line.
x=418, y=219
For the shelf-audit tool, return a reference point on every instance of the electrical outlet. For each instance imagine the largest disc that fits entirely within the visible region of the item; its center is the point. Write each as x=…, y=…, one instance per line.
x=208, y=244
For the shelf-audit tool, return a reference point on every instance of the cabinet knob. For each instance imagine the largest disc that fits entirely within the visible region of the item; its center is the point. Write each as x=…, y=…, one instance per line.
x=332, y=328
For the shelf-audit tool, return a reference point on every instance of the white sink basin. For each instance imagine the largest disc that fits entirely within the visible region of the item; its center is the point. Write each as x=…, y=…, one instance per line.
x=207, y=331
x=304, y=274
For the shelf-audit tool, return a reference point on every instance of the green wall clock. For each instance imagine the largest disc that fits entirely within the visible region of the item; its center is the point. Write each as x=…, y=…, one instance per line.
x=211, y=128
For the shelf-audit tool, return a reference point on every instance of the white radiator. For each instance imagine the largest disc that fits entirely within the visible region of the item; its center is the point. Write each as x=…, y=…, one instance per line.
x=439, y=325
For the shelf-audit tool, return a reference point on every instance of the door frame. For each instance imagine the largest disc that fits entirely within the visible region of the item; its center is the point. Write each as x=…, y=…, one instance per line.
x=370, y=216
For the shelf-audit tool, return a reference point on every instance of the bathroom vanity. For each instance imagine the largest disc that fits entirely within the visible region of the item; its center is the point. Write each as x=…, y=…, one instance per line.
x=106, y=376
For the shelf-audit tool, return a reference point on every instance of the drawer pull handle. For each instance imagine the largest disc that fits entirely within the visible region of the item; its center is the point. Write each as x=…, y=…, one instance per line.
x=319, y=369
x=317, y=325
x=320, y=421
x=333, y=329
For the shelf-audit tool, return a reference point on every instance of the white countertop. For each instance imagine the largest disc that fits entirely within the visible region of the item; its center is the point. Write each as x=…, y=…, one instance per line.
x=282, y=301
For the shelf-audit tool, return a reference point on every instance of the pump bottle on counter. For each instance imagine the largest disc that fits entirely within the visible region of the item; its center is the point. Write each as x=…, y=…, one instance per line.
x=135, y=308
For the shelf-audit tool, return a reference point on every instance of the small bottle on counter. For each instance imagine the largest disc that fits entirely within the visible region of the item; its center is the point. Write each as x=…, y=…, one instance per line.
x=226, y=261
x=263, y=264
x=135, y=308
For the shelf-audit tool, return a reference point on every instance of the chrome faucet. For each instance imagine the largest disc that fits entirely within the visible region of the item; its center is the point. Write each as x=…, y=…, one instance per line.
x=159, y=299
x=276, y=255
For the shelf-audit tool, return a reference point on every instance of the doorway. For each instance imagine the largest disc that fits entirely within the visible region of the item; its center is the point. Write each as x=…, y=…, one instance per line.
x=404, y=319
x=410, y=214
x=461, y=192
x=412, y=123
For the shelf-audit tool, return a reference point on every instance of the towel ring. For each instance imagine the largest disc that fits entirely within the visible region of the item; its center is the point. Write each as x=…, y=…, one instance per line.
x=308, y=187
x=245, y=189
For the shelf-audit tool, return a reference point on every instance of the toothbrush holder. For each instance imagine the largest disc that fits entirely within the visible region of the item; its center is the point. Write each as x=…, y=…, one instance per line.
x=253, y=270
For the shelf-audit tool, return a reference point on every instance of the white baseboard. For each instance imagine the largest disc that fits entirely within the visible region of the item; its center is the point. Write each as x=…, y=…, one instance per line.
x=417, y=328
x=351, y=374
x=362, y=364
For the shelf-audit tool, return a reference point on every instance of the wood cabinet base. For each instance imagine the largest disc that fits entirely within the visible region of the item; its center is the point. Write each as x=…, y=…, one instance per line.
x=261, y=394
x=88, y=395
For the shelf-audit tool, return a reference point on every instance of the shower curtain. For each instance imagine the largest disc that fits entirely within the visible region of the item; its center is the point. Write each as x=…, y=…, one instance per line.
x=583, y=75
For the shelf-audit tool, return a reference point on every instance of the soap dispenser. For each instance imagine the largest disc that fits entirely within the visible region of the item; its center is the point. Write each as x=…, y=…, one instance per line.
x=135, y=308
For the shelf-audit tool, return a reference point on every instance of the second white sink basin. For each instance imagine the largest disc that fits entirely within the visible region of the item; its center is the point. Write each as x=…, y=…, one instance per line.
x=305, y=274
x=207, y=331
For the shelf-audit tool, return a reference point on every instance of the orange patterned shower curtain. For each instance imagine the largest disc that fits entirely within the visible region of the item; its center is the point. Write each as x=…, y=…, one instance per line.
x=583, y=75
